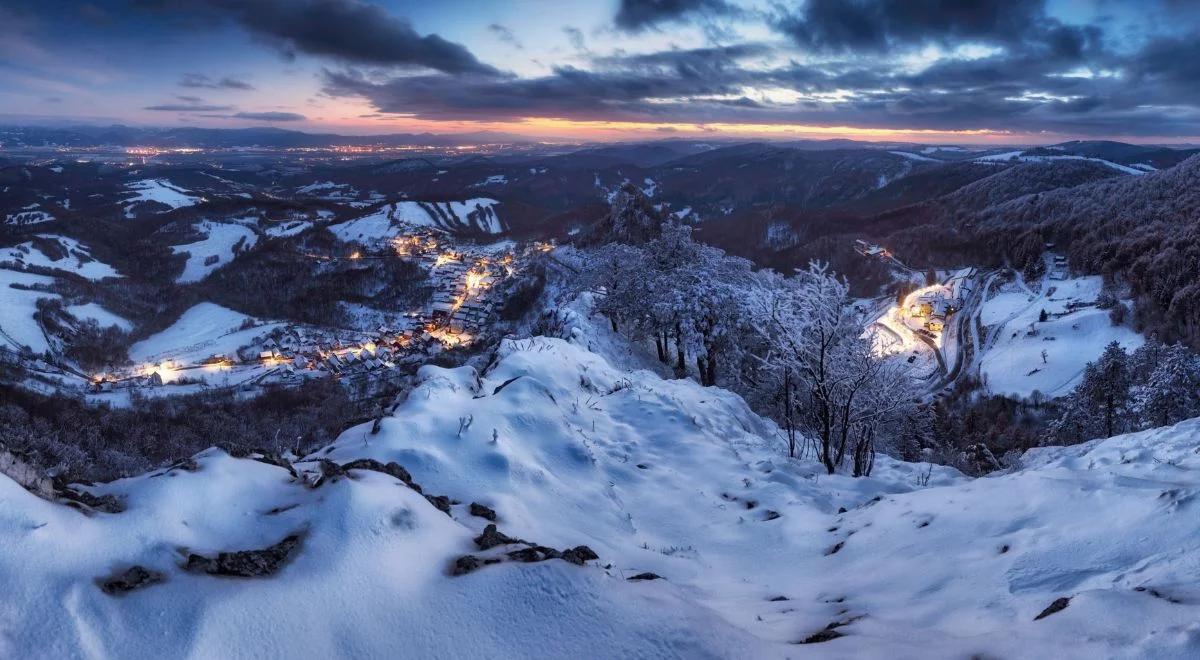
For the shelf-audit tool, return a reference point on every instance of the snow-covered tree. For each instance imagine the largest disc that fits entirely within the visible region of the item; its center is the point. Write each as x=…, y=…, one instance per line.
x=1171, y=390
x=844, y=394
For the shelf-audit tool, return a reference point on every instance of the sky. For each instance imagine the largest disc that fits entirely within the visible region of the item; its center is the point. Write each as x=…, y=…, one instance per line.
x=983, y=71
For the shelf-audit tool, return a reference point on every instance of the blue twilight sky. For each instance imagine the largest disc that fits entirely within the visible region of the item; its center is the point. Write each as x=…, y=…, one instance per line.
x=929, y=70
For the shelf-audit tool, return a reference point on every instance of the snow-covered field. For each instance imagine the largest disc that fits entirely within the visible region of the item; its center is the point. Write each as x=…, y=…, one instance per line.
x=473, y=215
x=17, y=307
x=103, y=317
x=219, y=242
x=1012, y=363
x=158, y=190
x=199, y=333
x=286, y=229
x=78, y=258
x=661, y=476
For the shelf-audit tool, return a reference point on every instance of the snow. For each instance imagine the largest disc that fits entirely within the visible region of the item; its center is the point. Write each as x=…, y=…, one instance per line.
x=28, y=217
x=493, y=180
x=1007, y=155
x=198, y=333
x=78, y=260
x=94, y=312
x=161, y=191
x=391, y=220
x=321, y=186
x=17, y=307
x=219, y=241
x=654, y=475
x=1019, y=155
x=917, y=157
x=1012, y=363
x=286, y=229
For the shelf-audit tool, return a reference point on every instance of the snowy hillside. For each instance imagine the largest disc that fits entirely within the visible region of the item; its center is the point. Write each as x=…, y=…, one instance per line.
x=1074, y=333
x=67, y=254
x=222, y=242
x=473, y=216
x=160, y=191
x=658, y=478
x=201, y=331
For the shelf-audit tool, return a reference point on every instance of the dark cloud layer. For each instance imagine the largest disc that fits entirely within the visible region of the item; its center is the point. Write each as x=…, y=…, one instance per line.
x=350, y=30
x=637, y=15
x=201, y=81
x=1026, y=71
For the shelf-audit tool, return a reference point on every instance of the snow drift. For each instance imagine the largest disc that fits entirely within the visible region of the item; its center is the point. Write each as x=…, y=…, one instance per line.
x=756, y=553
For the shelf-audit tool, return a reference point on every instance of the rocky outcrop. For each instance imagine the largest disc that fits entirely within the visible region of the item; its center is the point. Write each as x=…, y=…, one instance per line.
x=136, y=577
x=631, y=219
x=492, y=537
x=1058, y=605
x=36, y=481
x=480, y=511
x=246, y=563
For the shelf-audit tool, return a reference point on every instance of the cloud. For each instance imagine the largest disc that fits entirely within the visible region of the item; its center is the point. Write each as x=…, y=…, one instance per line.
x=882, y=26
x=503, y=33
x=201, y=81
x=269, y=116
x=349, y=30
x=637, y=15
x=187, y=107
x=575, y=36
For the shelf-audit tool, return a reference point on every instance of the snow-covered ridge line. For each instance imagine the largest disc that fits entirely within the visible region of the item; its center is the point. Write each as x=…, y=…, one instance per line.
x=1020, y=155
x=471, y=216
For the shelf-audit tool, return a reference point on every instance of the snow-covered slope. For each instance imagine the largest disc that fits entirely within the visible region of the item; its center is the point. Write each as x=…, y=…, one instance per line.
x=220, y=245
x=654, y=475
x=18, y=304
x=160, y=191
x=198, y=333
x=72, y=256
x=473, y=216
x=1074, y=333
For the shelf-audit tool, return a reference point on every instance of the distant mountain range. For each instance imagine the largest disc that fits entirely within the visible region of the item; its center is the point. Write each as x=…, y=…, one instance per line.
x=277, y=138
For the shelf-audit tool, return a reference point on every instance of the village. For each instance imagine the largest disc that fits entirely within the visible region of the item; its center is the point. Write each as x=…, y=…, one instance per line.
x=467, y=280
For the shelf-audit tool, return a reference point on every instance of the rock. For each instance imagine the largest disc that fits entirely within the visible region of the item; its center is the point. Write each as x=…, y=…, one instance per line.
x=772, y=515
x=1058, y=605
x=492, y=537
x=645, y=576
x=482, y=511
x=136, y=577
x=534, y=553
x=841, y=509
x=246, y=563
x=826, y=635
x=440, y=502
x=579, y=554
x=187, y=465
x=102, y=503
x=29, y=477
x=276, y=460
x=835, y=549
x=392, y=468
x=469, y=564
x=330, y=471
x=778, y=599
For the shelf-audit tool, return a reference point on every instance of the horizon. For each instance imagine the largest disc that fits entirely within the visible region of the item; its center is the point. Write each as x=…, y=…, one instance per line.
x=981, y=73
